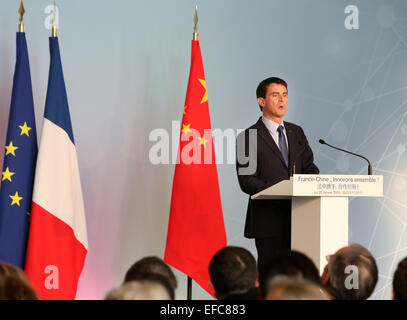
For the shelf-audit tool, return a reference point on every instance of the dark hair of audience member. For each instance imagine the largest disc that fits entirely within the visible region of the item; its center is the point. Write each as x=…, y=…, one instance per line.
x=292, y=264
x=14, y=284
x=400, y=281
x=150, y=265
x=232, y=271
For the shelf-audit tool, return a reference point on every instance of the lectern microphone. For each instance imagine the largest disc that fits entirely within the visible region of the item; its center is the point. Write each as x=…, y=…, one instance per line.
x=292, y=167
x=369, y=168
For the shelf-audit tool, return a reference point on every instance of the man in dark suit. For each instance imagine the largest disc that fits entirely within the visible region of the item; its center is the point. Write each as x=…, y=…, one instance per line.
x=274, y=149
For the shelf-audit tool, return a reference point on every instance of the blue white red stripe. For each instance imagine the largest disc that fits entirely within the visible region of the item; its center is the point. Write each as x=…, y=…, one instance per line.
x=57, y=244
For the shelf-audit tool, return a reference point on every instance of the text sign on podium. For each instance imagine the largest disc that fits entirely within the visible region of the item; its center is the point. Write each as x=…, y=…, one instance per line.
x=338, y=185
x=324, y=185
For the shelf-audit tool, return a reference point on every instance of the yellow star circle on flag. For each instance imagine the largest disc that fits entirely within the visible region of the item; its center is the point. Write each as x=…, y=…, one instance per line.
x=205, y=96
x=7, y=175
x=203, y=141
x=24, y=129
x=10, y=149
x=186, y=128
x=16, y=199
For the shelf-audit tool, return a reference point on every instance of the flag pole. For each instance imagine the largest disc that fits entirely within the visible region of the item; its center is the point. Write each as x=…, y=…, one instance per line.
x=189, y=288
x=194, y=37
x=21, y=11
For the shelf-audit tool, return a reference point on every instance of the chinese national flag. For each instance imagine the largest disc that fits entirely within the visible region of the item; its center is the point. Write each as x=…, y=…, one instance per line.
x=196, y=230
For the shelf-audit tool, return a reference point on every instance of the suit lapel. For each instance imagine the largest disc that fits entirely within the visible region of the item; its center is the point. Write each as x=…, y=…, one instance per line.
x=263, y=132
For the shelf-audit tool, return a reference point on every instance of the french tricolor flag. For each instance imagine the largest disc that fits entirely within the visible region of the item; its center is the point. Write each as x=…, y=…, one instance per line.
x=57, y=240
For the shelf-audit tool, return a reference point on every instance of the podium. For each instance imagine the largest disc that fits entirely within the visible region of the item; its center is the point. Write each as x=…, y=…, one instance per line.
x=319, y=209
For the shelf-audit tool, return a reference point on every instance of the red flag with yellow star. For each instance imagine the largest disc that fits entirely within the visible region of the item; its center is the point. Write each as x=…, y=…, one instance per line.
x=196, y=230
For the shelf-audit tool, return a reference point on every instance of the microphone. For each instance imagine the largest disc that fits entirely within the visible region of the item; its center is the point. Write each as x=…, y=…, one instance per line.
x=369, y=168
x=292, y=168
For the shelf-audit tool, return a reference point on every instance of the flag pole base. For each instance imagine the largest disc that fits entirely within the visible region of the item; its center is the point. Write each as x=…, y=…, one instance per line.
x=189, y=289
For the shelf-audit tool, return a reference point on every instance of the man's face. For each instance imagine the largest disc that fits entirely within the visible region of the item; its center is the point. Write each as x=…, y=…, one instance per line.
x=275, y=102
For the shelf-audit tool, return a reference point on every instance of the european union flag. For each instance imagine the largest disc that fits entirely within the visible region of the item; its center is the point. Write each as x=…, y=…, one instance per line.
x=19, y=163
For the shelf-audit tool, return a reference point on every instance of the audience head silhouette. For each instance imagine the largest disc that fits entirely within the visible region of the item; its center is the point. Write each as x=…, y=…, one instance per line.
x=292, y=264
x=351, y=273
x=150, y=265
x=233, y=274
x=286, y=288
x=14, y=284
x=148, y=287
x=400, y=281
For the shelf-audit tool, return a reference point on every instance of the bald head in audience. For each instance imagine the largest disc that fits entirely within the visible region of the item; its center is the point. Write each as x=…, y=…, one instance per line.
x=286, y=288
x=151, y=287
x=351, y=273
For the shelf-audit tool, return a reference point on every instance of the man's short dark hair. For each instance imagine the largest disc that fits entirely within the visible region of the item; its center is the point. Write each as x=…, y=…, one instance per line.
x=262, y=87
x=290, y=263
x=400, y=281
x=358, y=256
x=150, y=265
x=232, y=270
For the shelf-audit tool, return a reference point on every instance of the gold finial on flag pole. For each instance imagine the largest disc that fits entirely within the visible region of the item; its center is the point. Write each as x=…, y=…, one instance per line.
x=21, y=11
x=54, y=23
x=195, y=34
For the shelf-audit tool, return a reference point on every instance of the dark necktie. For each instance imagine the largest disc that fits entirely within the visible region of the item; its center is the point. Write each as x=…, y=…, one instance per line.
x=282, y=144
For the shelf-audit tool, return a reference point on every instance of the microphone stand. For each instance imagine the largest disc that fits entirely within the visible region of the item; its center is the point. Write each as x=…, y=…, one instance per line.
x=369, y=168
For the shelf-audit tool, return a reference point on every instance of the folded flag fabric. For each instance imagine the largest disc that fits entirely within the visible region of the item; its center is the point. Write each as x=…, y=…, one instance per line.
x=57, y=242
x=19, y=163
x=196, y=229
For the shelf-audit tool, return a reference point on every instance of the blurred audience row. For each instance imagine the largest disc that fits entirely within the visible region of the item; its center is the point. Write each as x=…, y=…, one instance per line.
x=350, y=274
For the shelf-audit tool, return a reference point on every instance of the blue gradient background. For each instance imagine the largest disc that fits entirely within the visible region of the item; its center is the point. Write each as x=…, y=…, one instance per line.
x=126, y=66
